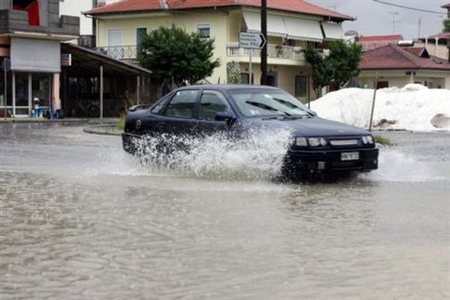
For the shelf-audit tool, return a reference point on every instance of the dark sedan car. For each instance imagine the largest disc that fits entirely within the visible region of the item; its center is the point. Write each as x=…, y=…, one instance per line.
x=316, y=146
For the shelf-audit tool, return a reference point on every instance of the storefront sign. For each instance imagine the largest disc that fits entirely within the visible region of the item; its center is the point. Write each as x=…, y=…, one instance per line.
x=66, y=59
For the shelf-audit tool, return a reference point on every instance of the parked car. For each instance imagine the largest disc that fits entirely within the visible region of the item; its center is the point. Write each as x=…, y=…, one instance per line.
x=316, y=146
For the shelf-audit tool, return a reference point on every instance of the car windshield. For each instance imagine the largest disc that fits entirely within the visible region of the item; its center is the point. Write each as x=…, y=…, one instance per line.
x=258, y=102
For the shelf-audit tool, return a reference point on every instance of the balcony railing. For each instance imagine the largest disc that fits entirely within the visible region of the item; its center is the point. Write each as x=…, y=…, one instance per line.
x=273, y=51
x=120, y=52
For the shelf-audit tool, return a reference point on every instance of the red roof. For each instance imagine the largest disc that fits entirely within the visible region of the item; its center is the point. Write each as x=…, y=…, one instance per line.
x=441, y=36
x=380, y=38
x=393, y=57
x=376, y=41
x=420, y=52
x=298, y=6
x=446, y=6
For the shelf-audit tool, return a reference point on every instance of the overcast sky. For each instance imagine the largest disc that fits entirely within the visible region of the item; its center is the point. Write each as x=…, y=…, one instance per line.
x=378, y=19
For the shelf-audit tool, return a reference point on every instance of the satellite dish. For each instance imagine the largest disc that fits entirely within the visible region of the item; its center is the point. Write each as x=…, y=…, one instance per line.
x=351, y=33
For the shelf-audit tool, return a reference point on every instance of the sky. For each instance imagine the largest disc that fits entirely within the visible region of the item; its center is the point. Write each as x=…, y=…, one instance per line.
x=374, y=18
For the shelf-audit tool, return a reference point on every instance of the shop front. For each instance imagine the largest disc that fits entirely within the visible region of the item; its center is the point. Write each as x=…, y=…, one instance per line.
x=30, y=77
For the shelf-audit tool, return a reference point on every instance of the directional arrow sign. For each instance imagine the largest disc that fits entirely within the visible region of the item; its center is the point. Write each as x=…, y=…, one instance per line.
x=251, y=40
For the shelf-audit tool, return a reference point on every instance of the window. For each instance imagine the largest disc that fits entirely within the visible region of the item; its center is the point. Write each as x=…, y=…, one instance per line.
x=245, y=78
x=267, y=102
x=272, y=79
x=32, y=9
x=382, y=84
x=115, y=48
x=204, y=30
x=301, y=86
x=140, y=33
x=182, y=104
x=210, y=104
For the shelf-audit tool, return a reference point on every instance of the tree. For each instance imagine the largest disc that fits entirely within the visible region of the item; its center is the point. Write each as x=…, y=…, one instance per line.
x=176, y=56
x=337, y=68
x=343, y=62
x=447, y=29
x=320, y=74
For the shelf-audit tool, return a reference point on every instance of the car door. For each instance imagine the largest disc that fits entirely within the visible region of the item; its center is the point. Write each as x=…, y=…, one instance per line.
x=178, y=115
x=212, y=102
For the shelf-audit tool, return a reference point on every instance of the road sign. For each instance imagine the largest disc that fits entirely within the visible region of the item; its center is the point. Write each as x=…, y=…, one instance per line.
x=251, y=40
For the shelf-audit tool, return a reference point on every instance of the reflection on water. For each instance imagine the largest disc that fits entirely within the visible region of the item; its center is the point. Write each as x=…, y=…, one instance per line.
x=91, y=222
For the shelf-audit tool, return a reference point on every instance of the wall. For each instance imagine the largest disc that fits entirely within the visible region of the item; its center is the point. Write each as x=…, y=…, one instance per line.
x=440, y=51
x=187, y=20
x=434, y=79
x=75, y=8
x=5, y=4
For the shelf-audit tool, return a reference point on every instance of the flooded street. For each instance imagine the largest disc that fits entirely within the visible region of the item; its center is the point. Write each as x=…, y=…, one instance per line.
x=81, y=219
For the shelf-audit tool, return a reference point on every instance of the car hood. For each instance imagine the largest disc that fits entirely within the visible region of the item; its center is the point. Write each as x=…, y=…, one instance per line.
x=313, y=126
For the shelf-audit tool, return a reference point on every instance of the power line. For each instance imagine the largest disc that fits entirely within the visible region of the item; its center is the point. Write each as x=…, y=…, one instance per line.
x=410, y=7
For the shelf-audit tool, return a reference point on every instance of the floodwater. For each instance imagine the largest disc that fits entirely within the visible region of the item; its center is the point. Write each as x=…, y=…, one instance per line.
x=80, y=219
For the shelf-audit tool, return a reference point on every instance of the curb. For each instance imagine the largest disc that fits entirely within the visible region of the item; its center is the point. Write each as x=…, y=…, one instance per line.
x=30, y=120
x=104, y=129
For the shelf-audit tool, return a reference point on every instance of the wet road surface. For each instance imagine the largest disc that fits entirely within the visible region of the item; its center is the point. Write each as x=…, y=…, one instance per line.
x=80, y=219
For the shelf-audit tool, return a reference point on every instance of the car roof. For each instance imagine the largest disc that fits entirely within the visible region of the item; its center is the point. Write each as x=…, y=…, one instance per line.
x=224, y=87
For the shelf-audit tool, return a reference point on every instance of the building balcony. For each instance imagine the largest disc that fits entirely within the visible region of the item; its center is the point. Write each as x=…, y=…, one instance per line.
x=15, y=23
x=120, y=52
x=278, y=53
x=283, y=54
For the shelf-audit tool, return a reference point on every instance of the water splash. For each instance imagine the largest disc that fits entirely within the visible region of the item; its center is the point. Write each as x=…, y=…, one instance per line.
x=258, y=155
x=396, y=166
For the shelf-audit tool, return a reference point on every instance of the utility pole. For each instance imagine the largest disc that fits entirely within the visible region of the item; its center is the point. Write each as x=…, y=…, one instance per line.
x=264, y=48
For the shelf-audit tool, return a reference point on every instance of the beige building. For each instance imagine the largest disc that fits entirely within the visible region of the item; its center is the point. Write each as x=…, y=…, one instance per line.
x=291, y=25
x=436, y=44
x=393, y=65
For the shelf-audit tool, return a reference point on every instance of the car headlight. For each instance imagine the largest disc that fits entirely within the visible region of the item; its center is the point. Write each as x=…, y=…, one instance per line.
x=315, y=142
x=367, y=139
x=300, y=142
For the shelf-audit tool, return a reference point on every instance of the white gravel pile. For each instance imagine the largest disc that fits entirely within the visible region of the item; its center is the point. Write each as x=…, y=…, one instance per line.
x=413, y=107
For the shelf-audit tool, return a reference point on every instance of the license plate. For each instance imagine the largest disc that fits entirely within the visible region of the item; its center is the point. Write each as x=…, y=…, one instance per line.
x=349, y=156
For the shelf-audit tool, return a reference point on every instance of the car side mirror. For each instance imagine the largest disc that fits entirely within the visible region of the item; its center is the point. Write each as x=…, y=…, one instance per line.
x=225, y=116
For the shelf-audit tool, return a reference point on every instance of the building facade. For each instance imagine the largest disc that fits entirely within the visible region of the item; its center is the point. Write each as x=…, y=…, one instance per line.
x=393, y=65
x=31, y=32
x=291, y=25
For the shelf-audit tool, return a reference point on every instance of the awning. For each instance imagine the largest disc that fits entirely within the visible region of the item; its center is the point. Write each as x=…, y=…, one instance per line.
x=275, y=24
x=253, y=21
x=33, y=55
x=305, y=30
x=333, y=31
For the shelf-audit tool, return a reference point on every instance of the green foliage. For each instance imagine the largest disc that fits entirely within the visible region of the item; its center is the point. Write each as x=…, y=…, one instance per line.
x=337, y=68
x=447, y=25
x=121, y=123
x=321, y=76
x=383, y=140
x=174, y=55
x=343, y=62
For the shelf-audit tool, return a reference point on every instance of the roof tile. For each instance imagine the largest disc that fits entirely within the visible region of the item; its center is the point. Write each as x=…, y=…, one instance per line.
x=393, y=57
x=298, y=6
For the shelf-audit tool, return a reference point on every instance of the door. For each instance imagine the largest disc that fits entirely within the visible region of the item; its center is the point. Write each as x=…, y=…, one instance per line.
x=115, y=46
x=272, y=79
x=211, y=103
x=22, y=89
x=178, y=117
x=140, y=34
